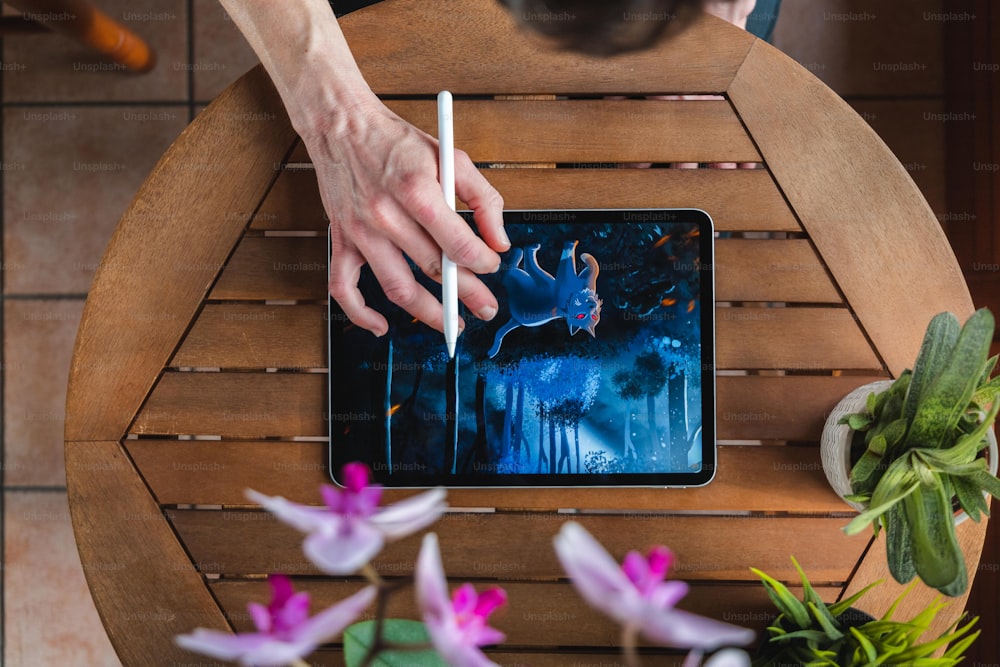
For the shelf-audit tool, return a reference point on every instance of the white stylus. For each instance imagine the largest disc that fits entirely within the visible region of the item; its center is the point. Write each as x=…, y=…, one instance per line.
x=446, y=174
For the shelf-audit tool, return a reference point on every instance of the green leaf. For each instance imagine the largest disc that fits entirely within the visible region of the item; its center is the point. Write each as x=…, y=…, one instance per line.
x=944, y=398
x=899, y=547
x=359, y=638
x=782, y=598
x=970, y=497
x=986, y=482
x=865, y=518
x=936, y=349
x=936, y=554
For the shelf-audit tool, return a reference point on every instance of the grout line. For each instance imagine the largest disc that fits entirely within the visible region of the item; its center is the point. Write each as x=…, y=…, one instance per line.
x=29, y=488
x=3, y=406
x=27, y=296
x=190, y=57
x=97, y=104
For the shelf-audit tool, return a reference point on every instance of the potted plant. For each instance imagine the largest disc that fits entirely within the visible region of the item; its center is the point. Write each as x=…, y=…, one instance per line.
x=916, y=451
x=811, y=632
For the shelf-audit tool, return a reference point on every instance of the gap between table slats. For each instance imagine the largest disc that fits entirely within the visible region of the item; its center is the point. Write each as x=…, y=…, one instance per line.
x=749, y=478
x=736, y=199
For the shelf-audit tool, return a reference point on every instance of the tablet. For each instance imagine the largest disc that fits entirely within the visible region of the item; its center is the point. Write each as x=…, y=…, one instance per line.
x=598, y=369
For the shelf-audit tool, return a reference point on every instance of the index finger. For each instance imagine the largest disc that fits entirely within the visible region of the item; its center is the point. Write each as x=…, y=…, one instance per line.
x=424, y=201
x=484, y=200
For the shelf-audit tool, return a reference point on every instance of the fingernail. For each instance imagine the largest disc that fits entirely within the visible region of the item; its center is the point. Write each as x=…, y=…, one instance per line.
x=504, y=239
x=487, y=313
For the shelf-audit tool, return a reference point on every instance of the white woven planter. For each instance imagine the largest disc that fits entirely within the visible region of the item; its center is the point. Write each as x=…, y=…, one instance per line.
x=835, y=443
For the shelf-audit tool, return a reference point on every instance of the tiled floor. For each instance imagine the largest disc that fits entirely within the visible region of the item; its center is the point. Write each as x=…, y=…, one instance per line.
x=77, y=142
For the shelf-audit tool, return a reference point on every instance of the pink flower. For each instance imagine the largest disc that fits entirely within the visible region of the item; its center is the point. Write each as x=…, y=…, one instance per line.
x=636, y=594
x=285, y=633
x=347, y=533
x=457, y=625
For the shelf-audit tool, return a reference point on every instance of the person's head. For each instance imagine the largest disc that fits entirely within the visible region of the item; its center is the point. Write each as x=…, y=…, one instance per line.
x=603, y=27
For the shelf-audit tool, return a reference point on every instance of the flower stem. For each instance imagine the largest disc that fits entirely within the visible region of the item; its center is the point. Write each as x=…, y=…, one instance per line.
x=372, y=575
x=630, y=637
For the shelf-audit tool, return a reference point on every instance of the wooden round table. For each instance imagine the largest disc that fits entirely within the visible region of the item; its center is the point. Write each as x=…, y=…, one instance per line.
x=200, y=365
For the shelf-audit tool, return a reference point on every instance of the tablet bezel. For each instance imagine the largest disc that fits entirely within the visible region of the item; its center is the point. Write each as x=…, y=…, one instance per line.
x=347, y=417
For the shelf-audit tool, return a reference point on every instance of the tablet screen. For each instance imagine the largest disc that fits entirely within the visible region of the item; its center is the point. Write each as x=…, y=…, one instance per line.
x=598, y=369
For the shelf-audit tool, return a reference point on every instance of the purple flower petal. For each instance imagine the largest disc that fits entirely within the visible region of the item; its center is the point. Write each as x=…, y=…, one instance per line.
x=411, y=515
x=222, y=645
x=329, y=623
x=300, y=517
x=676, y=627
x=356, y=476
x=261, y=616
x=490, y=600
x=343, y=546
x=456, y=630
x=730, y=657
x=636, y=594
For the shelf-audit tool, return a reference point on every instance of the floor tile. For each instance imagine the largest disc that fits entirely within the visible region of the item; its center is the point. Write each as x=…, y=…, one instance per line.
x=221, y=54
x=50, y=616
x=51, y=67
x=38, y=346
x=861, y=47
x=70, y=172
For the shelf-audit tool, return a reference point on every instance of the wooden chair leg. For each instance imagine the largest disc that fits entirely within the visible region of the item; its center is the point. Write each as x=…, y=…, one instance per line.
x=82, y=21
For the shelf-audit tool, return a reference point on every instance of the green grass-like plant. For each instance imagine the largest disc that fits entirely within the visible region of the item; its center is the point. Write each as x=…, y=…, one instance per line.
x=812, y=633
x=917, y=448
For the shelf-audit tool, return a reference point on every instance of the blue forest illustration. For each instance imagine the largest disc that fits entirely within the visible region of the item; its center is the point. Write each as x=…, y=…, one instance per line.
x=524, y=394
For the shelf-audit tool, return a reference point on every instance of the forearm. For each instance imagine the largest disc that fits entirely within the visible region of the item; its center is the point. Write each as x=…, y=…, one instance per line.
x=304, y=51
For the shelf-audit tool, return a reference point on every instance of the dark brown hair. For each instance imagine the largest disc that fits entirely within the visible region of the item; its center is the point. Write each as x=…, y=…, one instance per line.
x=604, y=27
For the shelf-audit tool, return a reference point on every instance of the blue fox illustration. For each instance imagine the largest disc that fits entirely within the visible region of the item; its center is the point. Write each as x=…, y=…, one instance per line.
x=536, y=298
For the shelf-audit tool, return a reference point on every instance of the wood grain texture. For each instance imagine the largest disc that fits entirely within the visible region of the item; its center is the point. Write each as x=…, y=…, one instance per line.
x=590, y=131
x=479, y=545
x=417, y=55
x=538, y=612
x=860, y=207
x=241, y=335
x=294, y=267
x=142, y=581
x=757, y=478
x=736, y=199
x=178, y=231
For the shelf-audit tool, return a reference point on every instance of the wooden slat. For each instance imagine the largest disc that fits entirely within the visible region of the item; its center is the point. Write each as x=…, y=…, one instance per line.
x=275, y=268
x=255, y=405
x=241, y=405
x=590, y=131
x=407, y=49
x=140, y=577
x=859, y=205
x=239, y=335
x=539, y=614
x=746, y=270
x=145, y=255
x=478, y=545
x=737, y=199
x=749, y=478
x=556, y=657
x=759, y=270
x=800, y=339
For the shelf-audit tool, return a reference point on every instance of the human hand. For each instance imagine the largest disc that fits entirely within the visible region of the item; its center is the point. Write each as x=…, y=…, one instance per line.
x=377, y=177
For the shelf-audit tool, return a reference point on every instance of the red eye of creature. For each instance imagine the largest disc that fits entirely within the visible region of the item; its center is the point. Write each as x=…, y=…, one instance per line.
x=580, y=316
x=593, y=317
